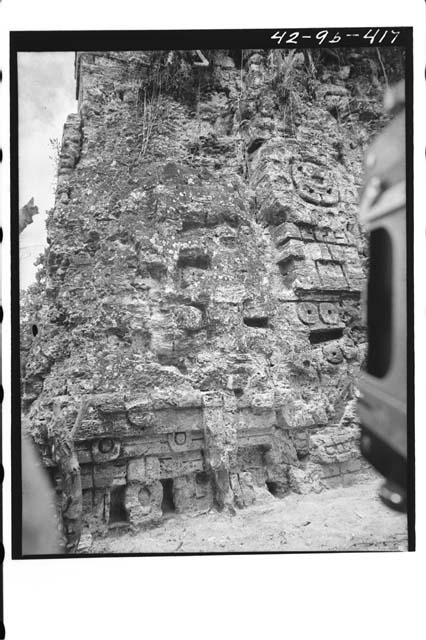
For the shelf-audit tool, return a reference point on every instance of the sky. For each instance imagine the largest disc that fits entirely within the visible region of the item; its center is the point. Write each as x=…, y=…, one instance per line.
x=46, y=96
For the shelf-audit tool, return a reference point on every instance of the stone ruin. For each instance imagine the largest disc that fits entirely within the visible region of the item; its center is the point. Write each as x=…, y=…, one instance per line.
x=202, y=281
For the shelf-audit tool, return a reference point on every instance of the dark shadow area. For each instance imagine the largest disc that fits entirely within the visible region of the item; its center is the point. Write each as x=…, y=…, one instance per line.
x=117, y=510
x=273, y=489
x=255, y=145
x=379, y=310
x=167, y=504
x=193, y=258
x=324, y=335
x=259, y=322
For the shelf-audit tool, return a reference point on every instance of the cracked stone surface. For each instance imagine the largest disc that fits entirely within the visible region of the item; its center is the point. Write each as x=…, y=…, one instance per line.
x=202, y=282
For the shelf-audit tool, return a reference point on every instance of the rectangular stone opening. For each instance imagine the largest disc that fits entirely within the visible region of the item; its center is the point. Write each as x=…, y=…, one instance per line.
x=260, y=322
x=274, y=489
x=117, y=509
x=168, y=503
x=324, y=335
x=195, y=258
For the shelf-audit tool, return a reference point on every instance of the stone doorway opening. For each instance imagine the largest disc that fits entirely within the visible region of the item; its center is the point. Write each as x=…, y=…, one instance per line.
x=273, y=489
x=117, y=509
x=168, y=503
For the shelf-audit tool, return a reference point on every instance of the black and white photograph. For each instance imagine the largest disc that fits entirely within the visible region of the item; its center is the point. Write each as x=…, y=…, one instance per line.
x=213, y=283
x=212, y=253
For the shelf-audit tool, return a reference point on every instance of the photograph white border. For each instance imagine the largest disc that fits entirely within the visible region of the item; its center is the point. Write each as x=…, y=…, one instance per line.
x=363, y=595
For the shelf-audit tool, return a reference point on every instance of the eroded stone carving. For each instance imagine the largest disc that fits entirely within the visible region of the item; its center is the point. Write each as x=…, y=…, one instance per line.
x=315, y=184
x=203, y=288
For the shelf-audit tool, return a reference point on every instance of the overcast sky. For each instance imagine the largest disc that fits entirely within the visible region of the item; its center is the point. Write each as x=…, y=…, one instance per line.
x=46, y=95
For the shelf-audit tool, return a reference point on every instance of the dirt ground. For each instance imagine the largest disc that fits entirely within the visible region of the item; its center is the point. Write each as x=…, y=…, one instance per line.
x=342, y=519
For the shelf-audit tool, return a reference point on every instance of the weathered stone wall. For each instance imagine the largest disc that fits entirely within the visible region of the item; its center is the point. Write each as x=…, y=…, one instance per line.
x=203, y=279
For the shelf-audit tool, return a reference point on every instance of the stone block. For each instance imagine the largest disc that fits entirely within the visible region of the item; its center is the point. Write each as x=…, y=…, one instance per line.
x=152, y=467
x=331, y=275
x=103, y=475
x=330, y=470
x=143, y=503
x=136, y=470
x=86, y=477
x=334, y=482
x=352, y=465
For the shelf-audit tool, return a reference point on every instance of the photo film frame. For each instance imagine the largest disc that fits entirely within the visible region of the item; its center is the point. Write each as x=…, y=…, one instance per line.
x=189, y=41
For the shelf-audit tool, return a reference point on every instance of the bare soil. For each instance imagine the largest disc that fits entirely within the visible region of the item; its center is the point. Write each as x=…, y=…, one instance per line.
x=342, y=519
